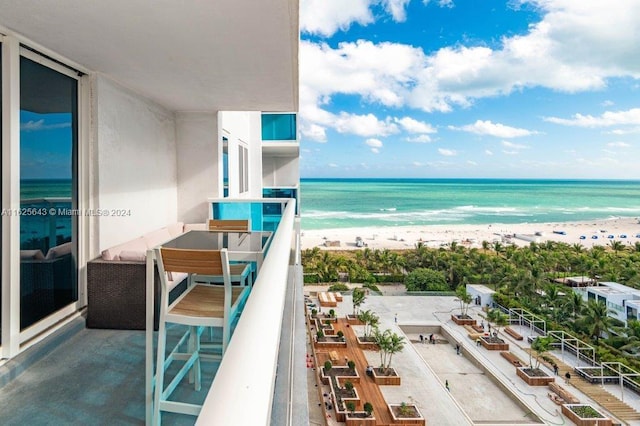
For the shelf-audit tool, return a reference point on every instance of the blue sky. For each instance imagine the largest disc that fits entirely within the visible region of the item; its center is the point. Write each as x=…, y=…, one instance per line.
x=470, y=88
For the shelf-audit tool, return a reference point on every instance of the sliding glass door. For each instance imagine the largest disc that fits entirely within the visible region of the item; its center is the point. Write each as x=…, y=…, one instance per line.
x=48, y=188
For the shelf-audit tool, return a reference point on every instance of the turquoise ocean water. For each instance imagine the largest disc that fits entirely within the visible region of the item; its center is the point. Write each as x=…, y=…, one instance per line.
x=344, y=203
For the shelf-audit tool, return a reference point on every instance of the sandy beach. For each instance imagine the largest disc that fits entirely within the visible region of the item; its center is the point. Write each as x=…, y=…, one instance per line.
x=406, y=237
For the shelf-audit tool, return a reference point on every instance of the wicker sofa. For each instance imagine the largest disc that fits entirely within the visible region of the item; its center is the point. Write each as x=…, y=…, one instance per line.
x=116, y=281
x=46, y=282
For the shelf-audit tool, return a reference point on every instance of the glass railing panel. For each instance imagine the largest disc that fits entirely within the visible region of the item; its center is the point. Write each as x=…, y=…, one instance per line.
x=279, y=127
x=264, y=215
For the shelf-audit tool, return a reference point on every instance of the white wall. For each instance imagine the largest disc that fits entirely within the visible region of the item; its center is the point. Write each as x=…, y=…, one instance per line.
x=199, y=157
x=134, y=163
x=243, y=127
x=280, y=171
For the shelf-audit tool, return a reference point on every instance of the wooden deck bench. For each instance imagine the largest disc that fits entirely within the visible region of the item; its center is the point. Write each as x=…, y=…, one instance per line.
x=563, y=393
x=478, y=328
x=511, y=358
x=511, y=332
x=333, y=356
x=337, y=295
x=327, y=300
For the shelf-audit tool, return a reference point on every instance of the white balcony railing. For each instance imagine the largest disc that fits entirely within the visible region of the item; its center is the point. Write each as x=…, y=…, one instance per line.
x=242, y=390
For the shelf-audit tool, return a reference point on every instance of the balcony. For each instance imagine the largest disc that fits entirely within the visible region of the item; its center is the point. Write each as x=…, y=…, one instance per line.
x=279, y=135
x=81, y=375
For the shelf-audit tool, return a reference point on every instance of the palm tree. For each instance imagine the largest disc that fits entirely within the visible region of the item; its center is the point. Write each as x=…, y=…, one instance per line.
x=395, y=345
x=370, y=320
x=575, y=303
x=596, y=317
x=617, y=246
x=358, y=297
x=499, y=318
x=382, y=340
x=465, y=300
x=540, y=345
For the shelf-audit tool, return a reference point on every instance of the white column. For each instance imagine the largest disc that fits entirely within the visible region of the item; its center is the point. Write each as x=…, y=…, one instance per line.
x=199, y=158
x=10, y=197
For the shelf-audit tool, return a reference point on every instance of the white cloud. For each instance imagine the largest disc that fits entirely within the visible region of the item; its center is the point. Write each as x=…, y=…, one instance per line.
x=332, y=165
x=472, y=163
x=396, y=9
x=447, y=152
x=417, y=164
x=512, y=145
x=374, y=144
x=486, y=151
x=512, y=152
x=314, y=132
x=572, y=48
x=607, y=119
x=419, y=139
x=326, y=17
x=629, y=131
x=412, y=125
x=607, y=103
x=441, y=3
x=34, y=126
x=482, y=127
x=619, y=145
x=364, y=125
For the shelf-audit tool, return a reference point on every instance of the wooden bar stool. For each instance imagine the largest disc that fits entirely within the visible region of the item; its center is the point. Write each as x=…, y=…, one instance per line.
x=201, y=305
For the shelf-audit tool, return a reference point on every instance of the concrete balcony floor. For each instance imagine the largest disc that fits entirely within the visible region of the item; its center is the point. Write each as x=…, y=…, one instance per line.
x=86, y=376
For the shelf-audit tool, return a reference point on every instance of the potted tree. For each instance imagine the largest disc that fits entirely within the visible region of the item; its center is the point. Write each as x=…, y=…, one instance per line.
x=495, y=343
x=465, y=299
x=404, y=413
x=390, y=343
x=534, y=375
x=370, y=321
x=358, y=297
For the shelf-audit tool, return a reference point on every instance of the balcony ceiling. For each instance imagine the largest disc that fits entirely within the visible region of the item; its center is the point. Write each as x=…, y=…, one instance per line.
x=188, y=55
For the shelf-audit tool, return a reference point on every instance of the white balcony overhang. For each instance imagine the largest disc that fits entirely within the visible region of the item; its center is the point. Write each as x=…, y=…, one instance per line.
x=186, y=55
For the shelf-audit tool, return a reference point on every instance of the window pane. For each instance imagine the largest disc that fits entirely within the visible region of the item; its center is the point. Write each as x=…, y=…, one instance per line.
x=48, y=144
x=278, y=127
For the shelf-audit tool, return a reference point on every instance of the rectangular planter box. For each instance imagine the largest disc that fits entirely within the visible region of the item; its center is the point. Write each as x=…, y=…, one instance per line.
x=386, y=380
x=404, y=420
x=357, y=421
x=353, y=379
x=571, y=415
x=534, y=381
x=369, y=346
x=494, y=346
x=353, y=320
x=330, y=344
x=463, y=321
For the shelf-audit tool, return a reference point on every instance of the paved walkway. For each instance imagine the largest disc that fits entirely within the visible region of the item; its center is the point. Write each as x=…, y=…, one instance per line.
x=423, y=385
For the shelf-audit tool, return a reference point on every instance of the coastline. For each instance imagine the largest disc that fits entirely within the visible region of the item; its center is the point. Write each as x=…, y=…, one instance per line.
x=406, y=237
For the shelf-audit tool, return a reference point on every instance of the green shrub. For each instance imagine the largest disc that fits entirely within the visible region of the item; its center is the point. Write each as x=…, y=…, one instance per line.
x=351, y=406
x=351, y=364
x=423, y=279
x=371, y=287
x=339, y=287
x=368, y=408
x=327, y=365
x=384, y=278
x=340, y=334
x=311, y=279
x=348, y=385
x=332, y=313
x=320, y=334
